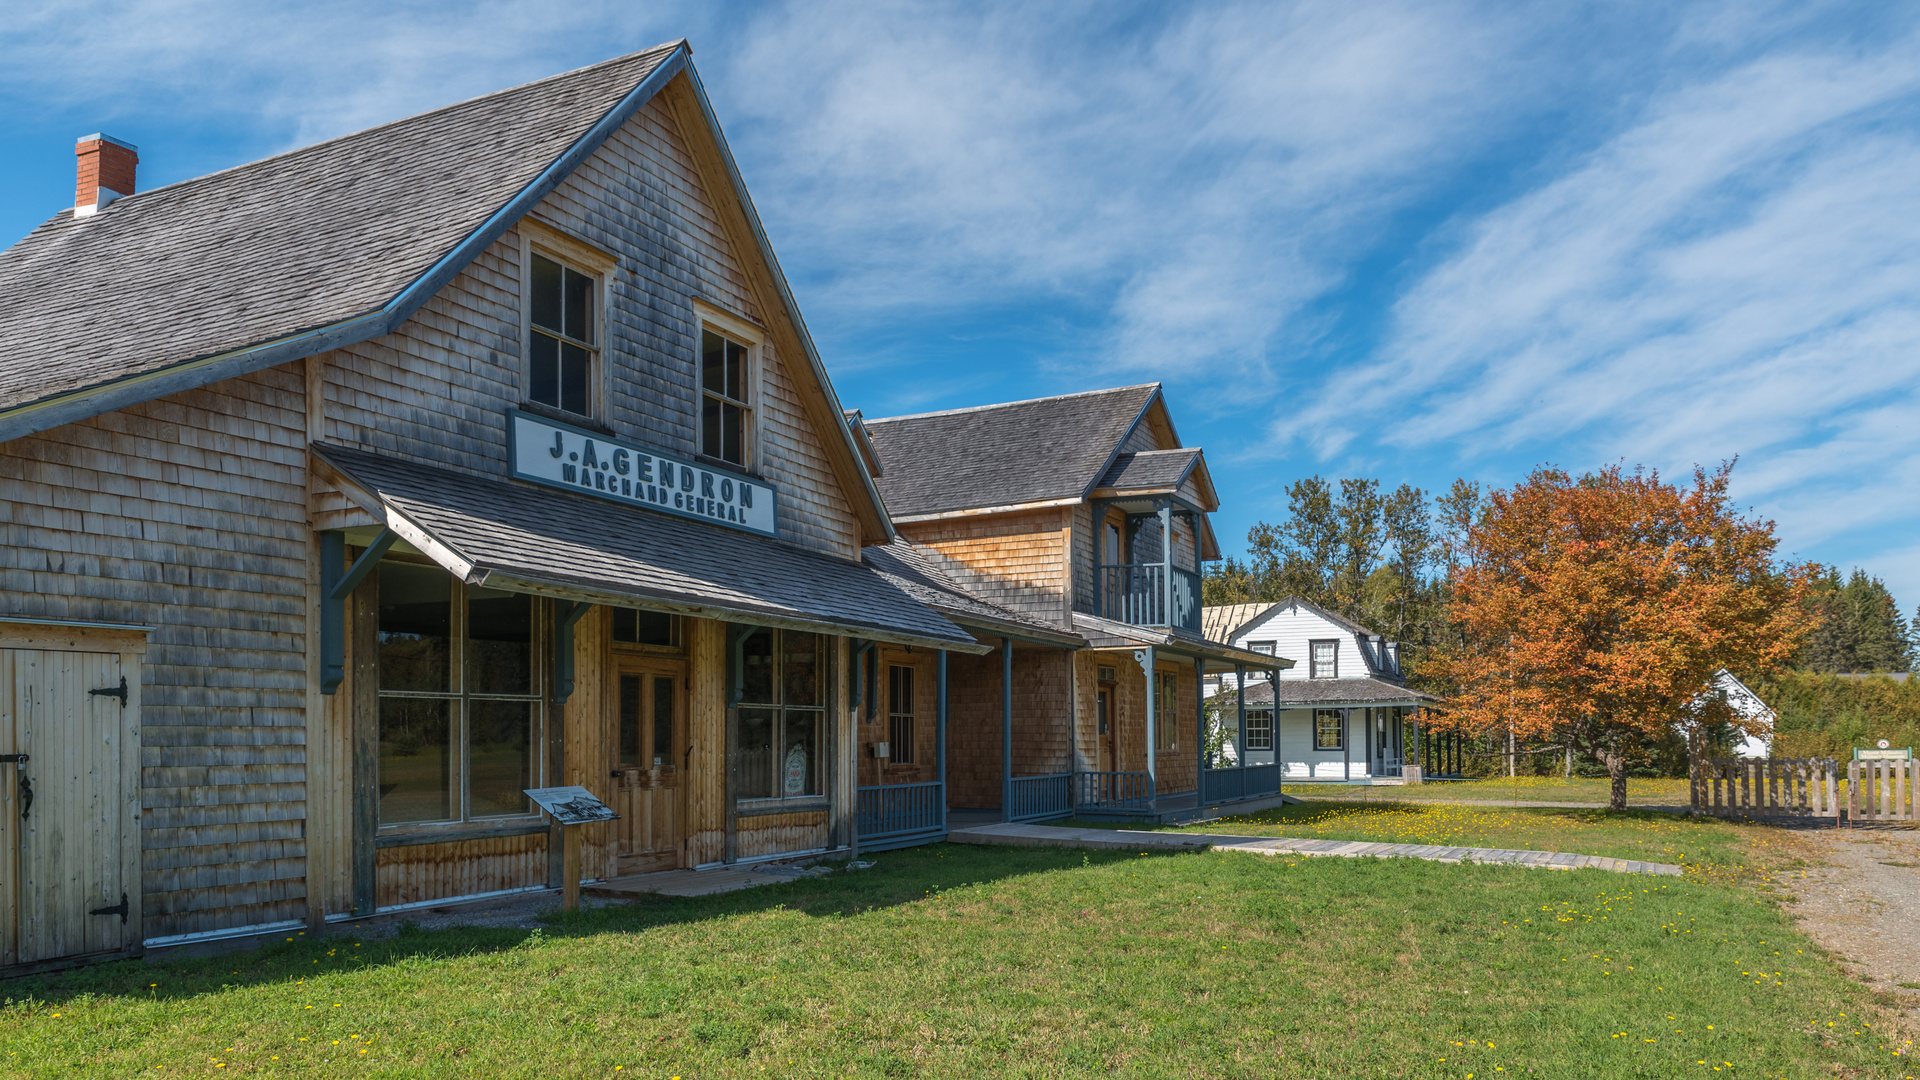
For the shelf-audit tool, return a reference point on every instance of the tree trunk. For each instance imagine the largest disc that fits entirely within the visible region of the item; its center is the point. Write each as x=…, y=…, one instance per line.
x=1617, y=776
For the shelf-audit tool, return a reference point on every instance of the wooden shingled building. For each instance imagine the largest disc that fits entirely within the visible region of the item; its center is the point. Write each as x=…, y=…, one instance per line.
x=352, y=492
x=1086, y=515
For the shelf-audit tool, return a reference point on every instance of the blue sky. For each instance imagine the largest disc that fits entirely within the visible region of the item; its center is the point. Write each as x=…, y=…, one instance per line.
x=1412, y=241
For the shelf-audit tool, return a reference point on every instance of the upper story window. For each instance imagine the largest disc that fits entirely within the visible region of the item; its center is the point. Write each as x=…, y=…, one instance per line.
x=1264, y=648
x=1323, y=662
x=563, y=353
x=726, y=415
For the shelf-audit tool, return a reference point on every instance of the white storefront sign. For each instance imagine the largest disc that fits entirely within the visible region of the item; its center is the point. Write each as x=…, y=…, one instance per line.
x=563, y=456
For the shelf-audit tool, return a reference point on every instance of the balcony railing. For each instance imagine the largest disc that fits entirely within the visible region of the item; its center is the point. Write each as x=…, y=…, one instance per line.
x=1036, y=798
x=1139, y=594
x=1230, y=785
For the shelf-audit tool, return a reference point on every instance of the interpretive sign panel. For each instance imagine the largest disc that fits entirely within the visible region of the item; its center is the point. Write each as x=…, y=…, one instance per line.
x=560, y=455
x=571, y=805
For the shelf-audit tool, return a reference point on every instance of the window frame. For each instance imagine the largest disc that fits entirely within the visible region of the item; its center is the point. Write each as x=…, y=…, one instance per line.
x=539, y=238
x=1339, y=731
x=1266, y=716
x=1166, y=736
x=825, y=651
x=678, y=648
x=896, y=718
x=463, y=819
x=745, y=332
x=1313, y=663
x=1265, y=647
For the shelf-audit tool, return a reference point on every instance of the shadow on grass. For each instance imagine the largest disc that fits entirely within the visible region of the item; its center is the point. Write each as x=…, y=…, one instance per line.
x=895, y=878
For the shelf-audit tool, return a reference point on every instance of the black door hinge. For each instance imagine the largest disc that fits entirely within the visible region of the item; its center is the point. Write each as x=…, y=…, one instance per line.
x=114, y=691
x=119, y=909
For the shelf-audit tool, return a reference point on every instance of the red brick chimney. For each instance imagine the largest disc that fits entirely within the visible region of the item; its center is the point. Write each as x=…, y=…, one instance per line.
x=106, y=172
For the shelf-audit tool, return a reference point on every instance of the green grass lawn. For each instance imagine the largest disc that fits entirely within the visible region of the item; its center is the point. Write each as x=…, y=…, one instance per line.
x=953, y=961
x=1656, y=792
x=1704, y=845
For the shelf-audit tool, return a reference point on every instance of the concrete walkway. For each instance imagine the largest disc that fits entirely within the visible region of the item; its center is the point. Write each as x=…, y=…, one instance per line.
x=1139, y=840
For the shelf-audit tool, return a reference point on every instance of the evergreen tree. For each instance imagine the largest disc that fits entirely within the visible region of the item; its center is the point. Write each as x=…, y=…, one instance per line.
x=1860, y=628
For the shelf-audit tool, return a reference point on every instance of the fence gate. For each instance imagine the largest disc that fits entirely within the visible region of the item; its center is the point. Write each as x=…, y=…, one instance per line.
x=1767, y=787
x=1882, y=791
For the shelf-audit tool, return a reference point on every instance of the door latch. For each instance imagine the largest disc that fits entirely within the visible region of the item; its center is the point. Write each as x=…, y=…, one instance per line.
x=114, y=691
x=17, y=759
x=119, y=909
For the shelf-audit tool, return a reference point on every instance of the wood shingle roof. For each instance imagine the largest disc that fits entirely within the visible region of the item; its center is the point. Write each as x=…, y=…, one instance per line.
x=1046, y=449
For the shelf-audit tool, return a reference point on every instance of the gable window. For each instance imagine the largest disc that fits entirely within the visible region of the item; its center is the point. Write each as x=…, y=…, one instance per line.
x=900, y=719
x=1328, y=732
x=1259, y=729
x=1324, y=660
x=460, y=697
x=1264, y=648
x=725, y=413
x=782, y=716
x=1166, y=703
x=563, y=354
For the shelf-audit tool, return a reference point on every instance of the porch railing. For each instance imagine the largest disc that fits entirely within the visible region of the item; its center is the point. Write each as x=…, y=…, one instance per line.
x=1036, y=798
x=1112, y=790
x=1138, y=594
x=1244, y=782
x=900, y=811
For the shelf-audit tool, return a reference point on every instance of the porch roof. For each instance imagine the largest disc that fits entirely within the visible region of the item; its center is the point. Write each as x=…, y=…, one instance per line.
x=534, y=540
x=1333, y=694
x=1215, y=656
x=904, y=564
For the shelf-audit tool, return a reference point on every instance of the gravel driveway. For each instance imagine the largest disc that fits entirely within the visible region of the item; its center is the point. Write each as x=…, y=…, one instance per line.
x=1864, y=904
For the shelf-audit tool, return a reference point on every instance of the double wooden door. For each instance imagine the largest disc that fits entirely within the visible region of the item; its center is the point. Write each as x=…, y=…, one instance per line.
x=650, y=745
x=69, y=805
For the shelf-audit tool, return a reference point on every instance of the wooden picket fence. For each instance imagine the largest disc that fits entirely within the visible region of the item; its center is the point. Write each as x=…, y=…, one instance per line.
x=1883, y=791
x=1767, y=787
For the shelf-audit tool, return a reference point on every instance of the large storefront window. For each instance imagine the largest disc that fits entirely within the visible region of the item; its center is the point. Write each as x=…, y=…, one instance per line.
x=782, y=716
x=459, y=697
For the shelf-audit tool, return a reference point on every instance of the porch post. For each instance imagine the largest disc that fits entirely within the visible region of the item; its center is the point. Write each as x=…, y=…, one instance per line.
x=1280, y=776
x=1145, y=659
x=1346, y=744
x=1240, y=691
x=1369, y=722
x=1006, y=729
x=940, y=731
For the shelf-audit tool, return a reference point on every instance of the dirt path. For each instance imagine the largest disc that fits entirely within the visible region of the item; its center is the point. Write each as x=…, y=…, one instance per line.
x=1864, y=904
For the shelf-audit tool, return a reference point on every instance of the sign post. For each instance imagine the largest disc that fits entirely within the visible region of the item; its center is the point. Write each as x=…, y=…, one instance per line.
x=571, y=807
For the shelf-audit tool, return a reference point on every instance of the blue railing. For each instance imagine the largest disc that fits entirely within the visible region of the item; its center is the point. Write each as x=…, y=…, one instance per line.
x=1112, y=791
x=1036, y=798
x=1230, y=785
x=900, y=812
x=1138, y=594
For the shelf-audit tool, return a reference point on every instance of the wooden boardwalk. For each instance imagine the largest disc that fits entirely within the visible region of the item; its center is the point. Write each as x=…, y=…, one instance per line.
x=1139, y=840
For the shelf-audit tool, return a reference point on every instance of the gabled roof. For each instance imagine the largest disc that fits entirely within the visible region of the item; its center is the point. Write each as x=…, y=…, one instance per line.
x=1053, y=449
x=341, y=242
x=1224, y=622
x=908, y=567
x=1338, y=620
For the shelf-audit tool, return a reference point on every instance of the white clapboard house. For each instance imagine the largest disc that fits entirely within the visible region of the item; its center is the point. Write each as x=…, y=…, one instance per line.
x=1341, y=713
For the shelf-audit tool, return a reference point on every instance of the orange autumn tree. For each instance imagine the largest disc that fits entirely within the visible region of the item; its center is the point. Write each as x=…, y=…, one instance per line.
x=1593, y=611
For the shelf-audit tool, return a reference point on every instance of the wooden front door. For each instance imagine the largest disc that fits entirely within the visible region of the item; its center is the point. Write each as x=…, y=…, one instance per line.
x=69, y=805
x=651, y=744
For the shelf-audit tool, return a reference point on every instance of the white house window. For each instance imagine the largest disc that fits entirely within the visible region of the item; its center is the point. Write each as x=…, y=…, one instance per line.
x=460, y=698
x=1264, y=648
x=725, y=414
x=900, y=719
x=1328, y=732
x=782, y=716
x=1323, y=663
x=562, y=347
x=1259, y=729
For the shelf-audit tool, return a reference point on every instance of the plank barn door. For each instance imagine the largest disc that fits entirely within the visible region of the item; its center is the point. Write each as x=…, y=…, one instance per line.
x=69, y=823
x=650, y=744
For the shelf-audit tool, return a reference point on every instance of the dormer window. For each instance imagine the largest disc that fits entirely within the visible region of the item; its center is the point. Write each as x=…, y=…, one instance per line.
x=1323, y=660
x=562, y=343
